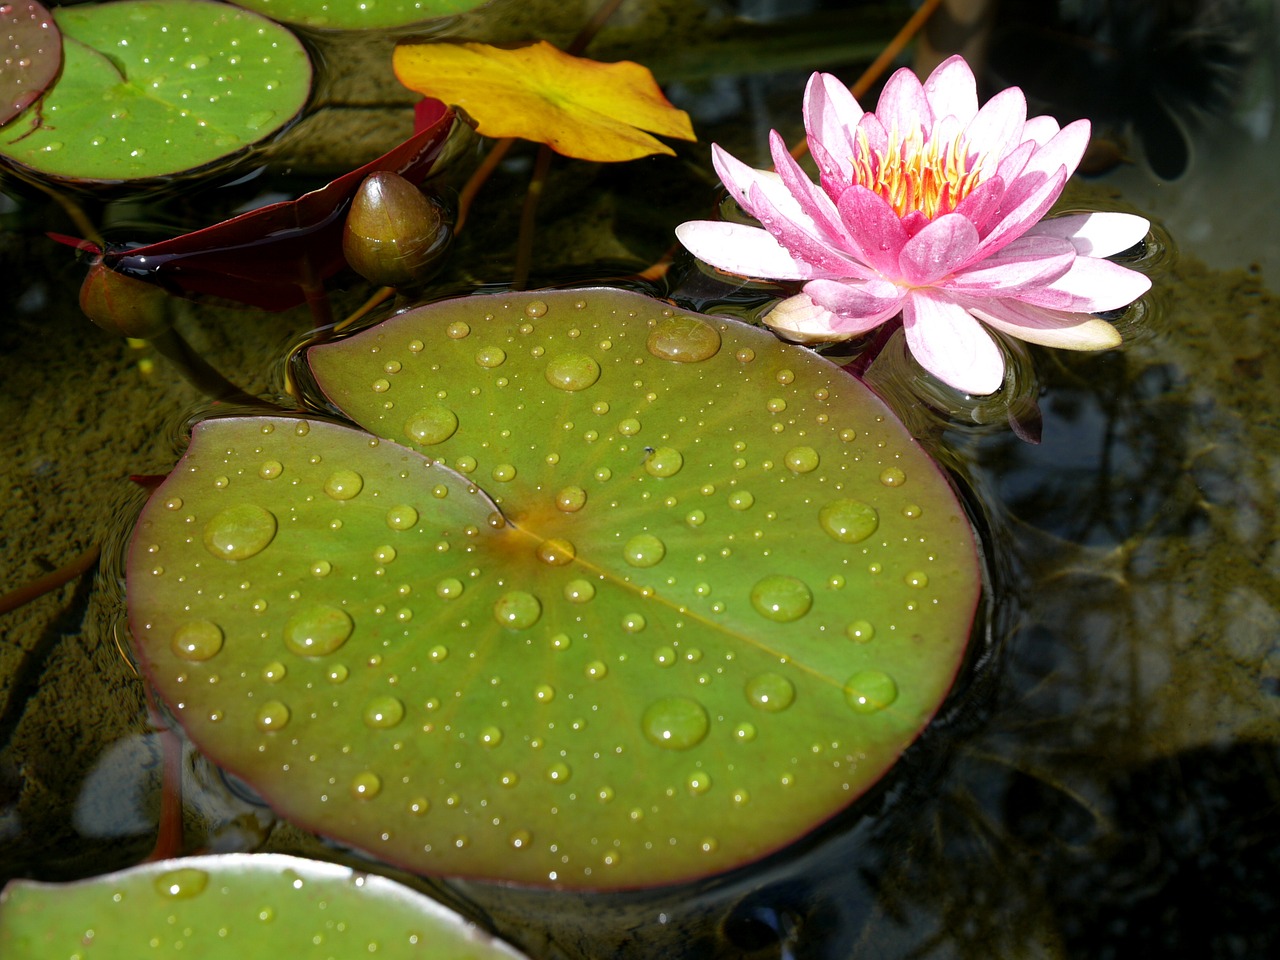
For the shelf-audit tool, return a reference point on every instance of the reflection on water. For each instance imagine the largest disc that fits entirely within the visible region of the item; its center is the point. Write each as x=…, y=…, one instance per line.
x=1107, y=784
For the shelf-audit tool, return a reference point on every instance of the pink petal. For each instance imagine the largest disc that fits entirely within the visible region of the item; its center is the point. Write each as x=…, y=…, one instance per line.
x=1025, y=264
x=937, y=250
x=997, y=127
x=1040, y=129
x=982, y=202
x=902, y=106
x=1023, y=204
x=1014, y=162
x=738, y=178
x=873, y=227
x=812, y=199
x=1095, y=234
x=800, y=320
x=858, y=306
x=799, y=236
x=1089, y=286
x=1051, y=328
x=952, y=91
x=737, y=248
x=830, y=115
x=872, y=130
x=951, y=344
x=1064, y=149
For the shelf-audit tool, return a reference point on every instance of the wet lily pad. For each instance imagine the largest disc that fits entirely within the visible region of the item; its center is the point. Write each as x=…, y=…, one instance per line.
x=32, y=54
x=233, y=906
x=151, y=88
x=611, y=595
x=358, y=14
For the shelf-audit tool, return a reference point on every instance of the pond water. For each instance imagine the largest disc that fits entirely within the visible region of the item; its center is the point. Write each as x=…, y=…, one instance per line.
x=1105, y=780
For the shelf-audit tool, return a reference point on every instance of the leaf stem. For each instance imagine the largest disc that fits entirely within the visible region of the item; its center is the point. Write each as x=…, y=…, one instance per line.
x=478, y=178
x=50, y=581
x=528, y=218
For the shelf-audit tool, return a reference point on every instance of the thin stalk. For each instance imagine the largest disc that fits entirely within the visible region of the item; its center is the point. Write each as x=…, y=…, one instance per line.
x=478, y=178
x=169, y=829
x=528, y=218
x=50, y=581
x=198, y=372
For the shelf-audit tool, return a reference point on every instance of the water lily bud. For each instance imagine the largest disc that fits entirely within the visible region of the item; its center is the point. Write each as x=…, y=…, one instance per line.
x=393, y=234
x=123, y=305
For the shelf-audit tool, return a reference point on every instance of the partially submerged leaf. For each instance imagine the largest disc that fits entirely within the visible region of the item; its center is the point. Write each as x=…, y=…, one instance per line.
x=581, y=108
x=32, y=55
x=232, y=906
x=271, y=257
x=624, y=596
x=358, y=14
x=151, y=88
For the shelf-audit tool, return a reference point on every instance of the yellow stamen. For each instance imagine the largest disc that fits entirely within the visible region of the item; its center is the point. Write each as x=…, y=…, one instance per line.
x=914, y=174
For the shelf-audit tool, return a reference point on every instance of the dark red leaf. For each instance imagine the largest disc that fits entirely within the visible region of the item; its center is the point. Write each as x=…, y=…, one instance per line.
x=31, y=48
x=273, y=256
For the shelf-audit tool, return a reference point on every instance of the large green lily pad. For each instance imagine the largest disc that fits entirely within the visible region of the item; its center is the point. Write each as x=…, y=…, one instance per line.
x=150, y=88
x=234, y=906
x=359, y=14
x=610, y=595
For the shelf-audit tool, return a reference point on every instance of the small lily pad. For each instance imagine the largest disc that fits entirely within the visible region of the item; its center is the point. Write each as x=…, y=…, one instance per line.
x=233, y=906
x=358, y=14
x=609, y=594
x=32, y=54
x=151, y=88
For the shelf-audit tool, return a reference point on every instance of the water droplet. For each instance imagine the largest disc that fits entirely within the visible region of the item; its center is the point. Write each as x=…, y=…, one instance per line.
x=745, y=355
x=431, y=425
x=741, y=500
x=629, y=427
x=571, y=499
x=698, y=782
x=683, y=339
x=784, y=376
x=579, y=591
x=385, y=553
x=181, y=884
x=603, y=474
x=535, y=308
x=744, y=732
x=544, y=693
x=438, y=654
x=741, y=797
x=173, y=503
x=664, y=656
x=504, y=473
x=572, y=371
x=517, y=610
x=860, y=631
x=596, y=670
x=559, y=773
x=848, y=521
x=321, y=568
x=317, y=630
x=197, y=640
x=892, y=477
x=343, y=484
x=802, y=459
x=633, y=622
x=664, y=462
x=771, y=692
x=380, y=713
x=775, y=405
x=695, y=518
x=274, y=672
x=270, y=469
x=781, y=598
x=644, y=550
x=870, y=690
x=418, y=806
x=274, y=715
x=490, y=736
x=676, y=723
x=337, y=673
x=259, y=119
x=916, y=579
x=366, y=785
x=402, y=517
x=491, y=357
x=465, y=464
x=912, y=511
x=458, y=330
x=239, y=532
x=561, y=641
x=450, y=588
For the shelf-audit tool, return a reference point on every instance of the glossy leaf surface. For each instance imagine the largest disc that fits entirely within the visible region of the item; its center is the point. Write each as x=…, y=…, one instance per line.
x=581, y=108
x=31, y=48
x=270, y=256
x=231, y=907
x=623, y=595
x=358, y=14
x=151, y=88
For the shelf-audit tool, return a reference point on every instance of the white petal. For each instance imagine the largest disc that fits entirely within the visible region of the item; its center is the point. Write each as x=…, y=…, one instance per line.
x=951, y=344
x=1095, y=234
x=737, y=248
x=1050, y=328
x=800, y=320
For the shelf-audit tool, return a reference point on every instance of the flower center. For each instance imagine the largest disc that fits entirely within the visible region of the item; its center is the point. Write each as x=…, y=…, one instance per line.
x=913, y=173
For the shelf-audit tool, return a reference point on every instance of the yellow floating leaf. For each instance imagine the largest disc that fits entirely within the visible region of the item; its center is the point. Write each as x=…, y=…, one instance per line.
x=580, y=108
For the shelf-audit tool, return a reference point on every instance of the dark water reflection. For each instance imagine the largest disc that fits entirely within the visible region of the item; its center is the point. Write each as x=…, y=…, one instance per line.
x=1105, y=783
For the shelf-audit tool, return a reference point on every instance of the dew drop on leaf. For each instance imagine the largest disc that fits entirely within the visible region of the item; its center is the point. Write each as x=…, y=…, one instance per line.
x=239, y=532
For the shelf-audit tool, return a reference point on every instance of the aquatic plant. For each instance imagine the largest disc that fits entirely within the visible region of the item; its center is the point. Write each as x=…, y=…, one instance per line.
x=358, y=14
x=929, y=208
x=33, y=55
x=604, y=594
x=228, y=906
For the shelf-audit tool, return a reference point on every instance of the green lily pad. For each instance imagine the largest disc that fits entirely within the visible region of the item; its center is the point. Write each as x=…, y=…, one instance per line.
x=358, y=14
x=617, y=596
x=233, y=906
x=150, y=88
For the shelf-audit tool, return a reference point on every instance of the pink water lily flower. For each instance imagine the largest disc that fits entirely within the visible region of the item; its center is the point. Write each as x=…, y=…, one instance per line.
x=929, y=207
